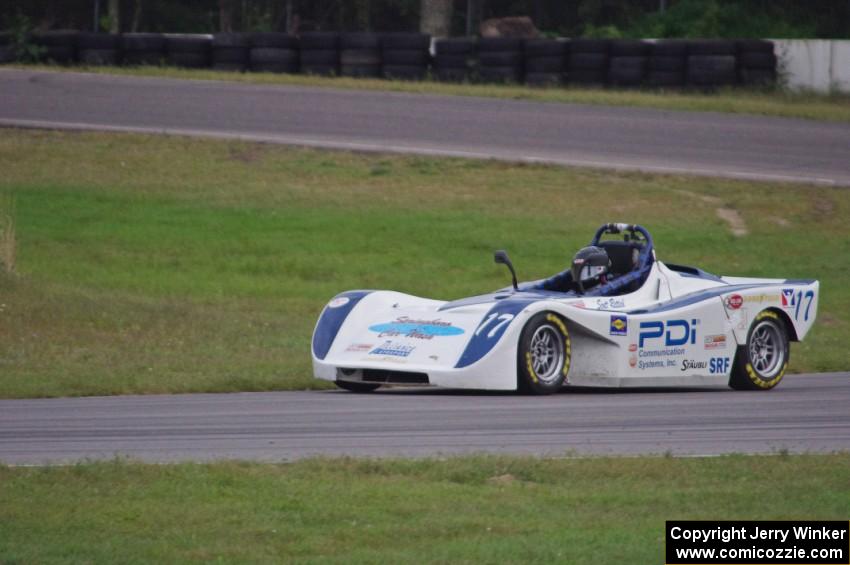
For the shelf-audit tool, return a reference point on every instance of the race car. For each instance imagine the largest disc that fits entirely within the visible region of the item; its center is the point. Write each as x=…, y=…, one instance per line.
x=617, y=317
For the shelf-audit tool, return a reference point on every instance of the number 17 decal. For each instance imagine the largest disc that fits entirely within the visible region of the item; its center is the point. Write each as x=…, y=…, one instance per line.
x=497, y=321
x=810, y=294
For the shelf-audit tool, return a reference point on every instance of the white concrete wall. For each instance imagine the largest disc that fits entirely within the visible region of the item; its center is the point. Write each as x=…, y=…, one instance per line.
x=815, y=64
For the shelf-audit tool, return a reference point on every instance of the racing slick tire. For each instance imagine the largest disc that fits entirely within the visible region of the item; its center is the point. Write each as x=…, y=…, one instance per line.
x=356, y=387
x=760, y=364
x=543, y=357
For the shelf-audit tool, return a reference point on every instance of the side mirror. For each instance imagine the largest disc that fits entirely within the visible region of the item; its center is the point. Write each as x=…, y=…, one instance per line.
x=501, y=256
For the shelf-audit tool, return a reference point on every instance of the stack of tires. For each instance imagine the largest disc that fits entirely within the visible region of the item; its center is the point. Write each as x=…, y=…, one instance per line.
x=627, y=65
x=142, y=48
x=188, y=51
x=711, y=63
x=96, y=49
x=59, y=46
x=545, y=62
x=454, y=59
x=500, y=59
x=667, y=63
x=360, y=55
x=7, y=51
x=588, y=62
x=274, y=53
x=405, y=55
x=230, y=51
x=319, y=53
x=756, y=62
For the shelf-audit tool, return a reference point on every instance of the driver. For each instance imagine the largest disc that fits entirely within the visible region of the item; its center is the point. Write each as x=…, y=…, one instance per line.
x=590, y=267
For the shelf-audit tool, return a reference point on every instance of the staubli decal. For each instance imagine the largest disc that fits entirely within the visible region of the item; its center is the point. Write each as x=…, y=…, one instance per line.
x=418, y=329
x=715, y=365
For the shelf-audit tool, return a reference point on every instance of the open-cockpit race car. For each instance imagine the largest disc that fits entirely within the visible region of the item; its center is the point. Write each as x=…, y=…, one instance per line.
x=617, y=317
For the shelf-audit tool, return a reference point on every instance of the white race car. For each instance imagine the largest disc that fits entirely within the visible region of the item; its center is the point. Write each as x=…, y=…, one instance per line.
x=616, y=318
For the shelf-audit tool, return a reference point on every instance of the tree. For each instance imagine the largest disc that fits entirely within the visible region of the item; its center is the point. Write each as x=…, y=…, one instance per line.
x=114, y=11
x=225, y=15
x=436, y=17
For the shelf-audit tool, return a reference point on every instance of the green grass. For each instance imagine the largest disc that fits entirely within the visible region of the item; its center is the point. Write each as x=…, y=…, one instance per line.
x=780, y=103
x=159, y=264
x=472, y=509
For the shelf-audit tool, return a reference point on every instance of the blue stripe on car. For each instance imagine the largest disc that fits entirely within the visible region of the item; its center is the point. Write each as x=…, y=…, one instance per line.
x=698, y=296
x=484, y=338
x=331, y=320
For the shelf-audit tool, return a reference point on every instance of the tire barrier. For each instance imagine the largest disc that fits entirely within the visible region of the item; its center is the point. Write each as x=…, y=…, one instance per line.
x=628, y=62
x=7, y=51
x=455, y=59
x=230, y=51
x=188, y=51
x=96, y=49
x=756, y=63
x=59, y=47
x=711, y=63
x=703, y=64
x=142, y=48
x=546, y=62
x=274, y=53
x=667, y=63
x=405, y=56
x=360, y=55
x=320, y=53
x=500, y=60
x=588, y=62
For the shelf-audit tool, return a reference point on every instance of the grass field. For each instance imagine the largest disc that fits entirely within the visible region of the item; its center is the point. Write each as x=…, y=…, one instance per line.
x=473, y=509
x=160, y=264
x=779, y=103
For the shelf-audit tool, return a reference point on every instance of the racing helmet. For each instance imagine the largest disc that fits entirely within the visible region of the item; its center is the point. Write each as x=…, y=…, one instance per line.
x=590, y=266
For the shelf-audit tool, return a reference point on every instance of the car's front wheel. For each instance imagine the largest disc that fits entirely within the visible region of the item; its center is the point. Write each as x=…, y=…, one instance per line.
x=543, y=358
x=356, y=387
x=760, y=364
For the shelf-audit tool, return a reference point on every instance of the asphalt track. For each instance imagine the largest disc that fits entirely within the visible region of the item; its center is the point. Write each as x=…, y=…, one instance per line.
x=805, y=413
x=748, y=147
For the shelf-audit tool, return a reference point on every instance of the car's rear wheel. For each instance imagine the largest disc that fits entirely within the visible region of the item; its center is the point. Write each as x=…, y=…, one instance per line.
x=356, y=387
x=543, y=358
x=760, y=364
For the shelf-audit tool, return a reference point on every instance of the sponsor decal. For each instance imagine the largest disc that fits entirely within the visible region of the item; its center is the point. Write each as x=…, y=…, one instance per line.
x=715, y=341
x=669, y=352
x=619, y=325
x=418, y=329
x=715, y=365
x=760, y=298
x=788, y=298
x=633, y=360
x=338, y=302
x=734, y=301
x=659, y=358
x=393, y=349
x=674, y=332
x=579, y=304
x=633, y=347
x=610, y=303
x=360, y=347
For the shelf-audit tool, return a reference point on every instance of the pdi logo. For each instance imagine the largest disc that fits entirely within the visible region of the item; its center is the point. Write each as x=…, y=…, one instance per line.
x=674, y=332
